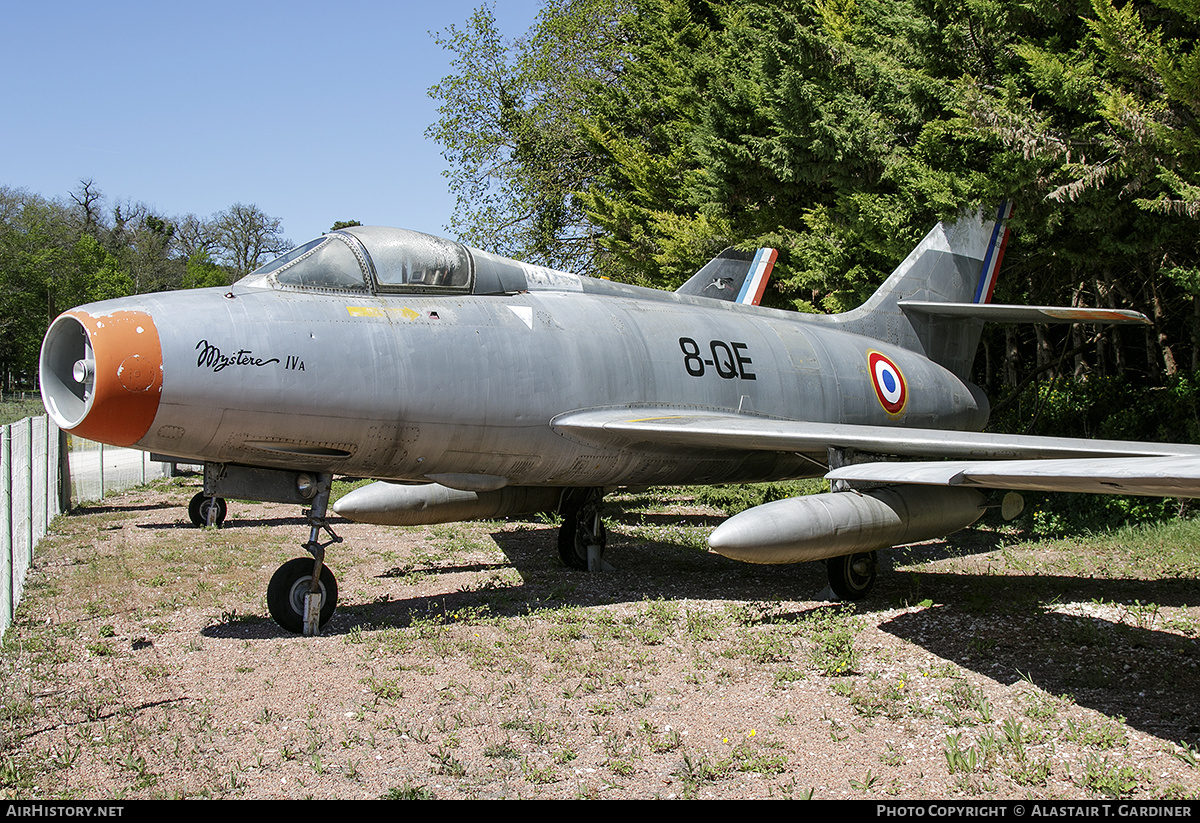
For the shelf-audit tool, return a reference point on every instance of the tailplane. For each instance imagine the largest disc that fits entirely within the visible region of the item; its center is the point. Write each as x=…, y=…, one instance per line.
x=957, y=263
x=938, y=299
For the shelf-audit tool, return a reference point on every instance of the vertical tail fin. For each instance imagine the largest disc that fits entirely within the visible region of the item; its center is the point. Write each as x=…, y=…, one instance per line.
x=733, y=275
x=994, y=255
x=756, y=279
x=957, y=262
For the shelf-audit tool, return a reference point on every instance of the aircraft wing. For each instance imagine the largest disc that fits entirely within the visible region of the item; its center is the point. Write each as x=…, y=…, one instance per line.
x=1150, y=476
x=665, y=429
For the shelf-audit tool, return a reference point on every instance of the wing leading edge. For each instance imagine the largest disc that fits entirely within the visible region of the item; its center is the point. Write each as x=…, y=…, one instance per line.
x=1146, y=476
x=667, y=429
x=998, y=461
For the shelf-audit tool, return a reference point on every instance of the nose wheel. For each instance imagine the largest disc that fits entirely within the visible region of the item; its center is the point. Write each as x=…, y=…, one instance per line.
x=289, y=588
x=853, y=576
x=302, y=593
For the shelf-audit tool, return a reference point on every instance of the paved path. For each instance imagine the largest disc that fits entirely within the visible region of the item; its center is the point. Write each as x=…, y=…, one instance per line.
x=122, y=468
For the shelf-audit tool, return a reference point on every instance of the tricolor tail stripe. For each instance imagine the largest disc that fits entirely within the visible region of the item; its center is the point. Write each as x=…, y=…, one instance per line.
x=994, y=255
x=756, y=280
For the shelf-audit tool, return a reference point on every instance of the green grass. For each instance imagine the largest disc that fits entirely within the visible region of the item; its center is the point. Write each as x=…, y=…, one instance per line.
x=472, y=663
x=13, y=410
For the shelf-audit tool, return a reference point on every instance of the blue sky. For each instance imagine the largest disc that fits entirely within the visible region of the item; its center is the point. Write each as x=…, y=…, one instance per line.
x=316, y=112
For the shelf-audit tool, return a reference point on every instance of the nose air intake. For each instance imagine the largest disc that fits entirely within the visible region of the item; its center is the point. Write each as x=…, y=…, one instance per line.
x=102, y=376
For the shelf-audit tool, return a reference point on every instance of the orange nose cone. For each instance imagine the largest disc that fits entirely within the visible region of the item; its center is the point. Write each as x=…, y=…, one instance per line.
x=112, y=392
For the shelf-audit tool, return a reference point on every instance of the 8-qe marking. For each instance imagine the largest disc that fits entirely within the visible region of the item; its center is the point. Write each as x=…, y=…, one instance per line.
x=728, y=359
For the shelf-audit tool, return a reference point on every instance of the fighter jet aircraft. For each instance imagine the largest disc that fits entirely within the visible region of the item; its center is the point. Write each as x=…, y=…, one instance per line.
x=474, y=386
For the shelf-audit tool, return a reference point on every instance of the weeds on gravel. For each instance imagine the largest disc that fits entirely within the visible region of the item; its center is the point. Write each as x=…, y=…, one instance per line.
x=409, y=791
x=832, y=631
x=590, y=677
x=1185, y=753
x=1107, y=778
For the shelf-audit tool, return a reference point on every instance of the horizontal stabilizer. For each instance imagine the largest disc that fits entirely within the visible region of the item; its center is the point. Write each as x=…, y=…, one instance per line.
x=1148, y=476
x=998, y=313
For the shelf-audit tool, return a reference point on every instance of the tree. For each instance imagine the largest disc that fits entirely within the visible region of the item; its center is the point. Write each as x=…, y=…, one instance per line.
x=50, y=261
x=1095, y=125
x=144, y=242
x=838, y=131
x=94, y=274
x=506, y=124
x=87, y=199
x=792, y=124
x=641, y=128
x=201, y=272
x=34, y=247
x=193, y=235
x=244, y=238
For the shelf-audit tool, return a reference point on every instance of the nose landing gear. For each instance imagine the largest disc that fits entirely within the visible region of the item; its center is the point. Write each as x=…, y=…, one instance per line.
x=302, y=593
x=287, y=594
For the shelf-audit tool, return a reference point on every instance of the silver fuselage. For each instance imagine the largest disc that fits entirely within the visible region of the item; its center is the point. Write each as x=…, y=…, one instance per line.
x=405, y=387
x=383, y=353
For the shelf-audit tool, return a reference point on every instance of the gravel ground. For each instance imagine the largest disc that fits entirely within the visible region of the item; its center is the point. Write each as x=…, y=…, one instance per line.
x=465, y=662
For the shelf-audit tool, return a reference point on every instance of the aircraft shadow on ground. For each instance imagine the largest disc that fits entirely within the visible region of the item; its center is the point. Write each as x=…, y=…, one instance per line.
x=1120, y=669
x=644, y=569
x=240, y=523
x=137, y=507
x=1002, y=627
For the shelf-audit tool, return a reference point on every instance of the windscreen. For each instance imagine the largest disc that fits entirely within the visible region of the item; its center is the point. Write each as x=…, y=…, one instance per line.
x=327, y=263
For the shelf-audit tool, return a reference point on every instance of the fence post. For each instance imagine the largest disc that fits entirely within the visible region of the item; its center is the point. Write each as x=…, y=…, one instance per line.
x=6, y=534
x=64, y=471
x=101, y=471
x=38, y=466
x=52, y=509
x=29, y=497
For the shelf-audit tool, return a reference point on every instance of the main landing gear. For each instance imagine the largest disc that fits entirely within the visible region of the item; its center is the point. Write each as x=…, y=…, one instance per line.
x=207, y=511
x=581, y=537
x=302, y=593
x=852, y=576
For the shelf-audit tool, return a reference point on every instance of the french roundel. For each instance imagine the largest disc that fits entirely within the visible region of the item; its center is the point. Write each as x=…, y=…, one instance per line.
x=889, y=383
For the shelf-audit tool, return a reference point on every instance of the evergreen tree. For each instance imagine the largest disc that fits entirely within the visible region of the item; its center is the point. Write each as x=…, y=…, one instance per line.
x=507, y=129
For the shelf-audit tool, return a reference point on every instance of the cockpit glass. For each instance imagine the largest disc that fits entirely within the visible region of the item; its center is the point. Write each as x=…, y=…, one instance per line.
x=325, y=263
x=370, y=258
x=413, y=261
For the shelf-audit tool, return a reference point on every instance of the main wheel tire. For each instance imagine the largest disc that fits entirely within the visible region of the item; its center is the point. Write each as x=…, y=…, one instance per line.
x=288, y=587
x=574, y=537
x=198, y=509
x=853, y=576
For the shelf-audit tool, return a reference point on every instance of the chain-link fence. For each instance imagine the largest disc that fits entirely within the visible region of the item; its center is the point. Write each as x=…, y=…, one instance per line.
x=95, y=469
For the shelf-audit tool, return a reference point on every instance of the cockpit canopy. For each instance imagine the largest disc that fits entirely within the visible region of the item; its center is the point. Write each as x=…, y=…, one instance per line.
x=371, y=259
